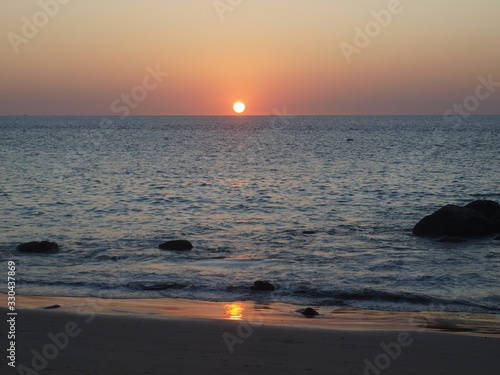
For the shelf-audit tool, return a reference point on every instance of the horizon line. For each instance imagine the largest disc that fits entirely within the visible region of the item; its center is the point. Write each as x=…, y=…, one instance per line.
x=241, y=115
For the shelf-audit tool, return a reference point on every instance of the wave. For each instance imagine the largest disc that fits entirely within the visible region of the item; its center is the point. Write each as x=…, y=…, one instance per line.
x=384, y=297
x=155, y=286
x=363, y=298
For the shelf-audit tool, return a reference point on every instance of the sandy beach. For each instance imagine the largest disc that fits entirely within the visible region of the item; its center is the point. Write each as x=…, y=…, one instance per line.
x=90, y=336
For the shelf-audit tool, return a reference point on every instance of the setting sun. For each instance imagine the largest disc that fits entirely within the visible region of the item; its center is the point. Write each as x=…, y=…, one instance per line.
x=239, y=107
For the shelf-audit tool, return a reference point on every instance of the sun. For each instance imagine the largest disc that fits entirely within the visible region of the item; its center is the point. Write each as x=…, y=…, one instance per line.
x=239, y=107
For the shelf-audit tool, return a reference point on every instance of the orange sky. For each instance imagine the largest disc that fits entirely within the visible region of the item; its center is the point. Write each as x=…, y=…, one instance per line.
x=270, y=54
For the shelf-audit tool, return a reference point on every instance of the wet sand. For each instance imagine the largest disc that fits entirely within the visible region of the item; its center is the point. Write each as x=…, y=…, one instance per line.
x=92, y=336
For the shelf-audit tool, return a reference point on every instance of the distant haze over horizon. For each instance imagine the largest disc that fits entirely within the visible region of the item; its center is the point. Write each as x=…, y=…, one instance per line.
x=281, y=57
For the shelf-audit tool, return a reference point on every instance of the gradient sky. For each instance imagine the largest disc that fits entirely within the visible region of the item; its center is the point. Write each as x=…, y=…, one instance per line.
x=270, y=54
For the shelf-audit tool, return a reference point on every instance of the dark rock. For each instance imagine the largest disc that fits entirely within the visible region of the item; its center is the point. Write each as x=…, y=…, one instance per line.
x=451, y=239
x=488, y=208
x=453, y=220
x=176, y=245
x=263, y=286
x=44, y=247
x=496, y=224
x=308, y=232
x=52, y=307
x=310, y=313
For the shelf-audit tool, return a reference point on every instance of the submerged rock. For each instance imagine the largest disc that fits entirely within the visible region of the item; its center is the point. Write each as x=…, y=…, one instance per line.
x=309, y=312
x=263, y=286
x=176, y=245
x=454, y=220
x=52, y=307
x=43, y=247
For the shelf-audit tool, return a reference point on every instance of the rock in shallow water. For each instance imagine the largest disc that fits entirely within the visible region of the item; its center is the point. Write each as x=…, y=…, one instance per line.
x=454, y=220
x=52, y=307
x=41, y=247
x=309, y=312
x=179, y=245
x=263, y=286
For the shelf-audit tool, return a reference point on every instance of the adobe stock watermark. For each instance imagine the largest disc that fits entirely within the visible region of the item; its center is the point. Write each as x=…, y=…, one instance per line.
x=31, y=26
x=373, y=28
x=283, y=117
x=60, y=341
x=57, y=342
x=223, y=6
x=390, y=352
x=139, y=93
x=104, y=131
x=484, y=90
x=244, y=331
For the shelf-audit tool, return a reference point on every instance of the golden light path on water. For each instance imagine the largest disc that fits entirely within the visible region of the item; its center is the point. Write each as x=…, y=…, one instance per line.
x=234, y=311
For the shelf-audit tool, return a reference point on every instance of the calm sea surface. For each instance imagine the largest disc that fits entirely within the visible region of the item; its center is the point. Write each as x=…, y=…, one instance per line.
x=243, y=190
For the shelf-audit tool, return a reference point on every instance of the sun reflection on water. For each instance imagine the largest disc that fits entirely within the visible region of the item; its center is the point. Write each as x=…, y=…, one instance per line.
x=234, y=311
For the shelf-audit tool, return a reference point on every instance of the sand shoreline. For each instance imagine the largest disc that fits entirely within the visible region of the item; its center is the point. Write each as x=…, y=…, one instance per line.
x=271, y=314
x=92, y=336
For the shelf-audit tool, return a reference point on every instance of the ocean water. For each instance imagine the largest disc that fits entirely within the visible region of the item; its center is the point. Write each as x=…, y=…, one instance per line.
x=243, y=190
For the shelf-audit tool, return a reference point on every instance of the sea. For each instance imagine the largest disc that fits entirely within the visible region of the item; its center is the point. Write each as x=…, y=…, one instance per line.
x=320, y=206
